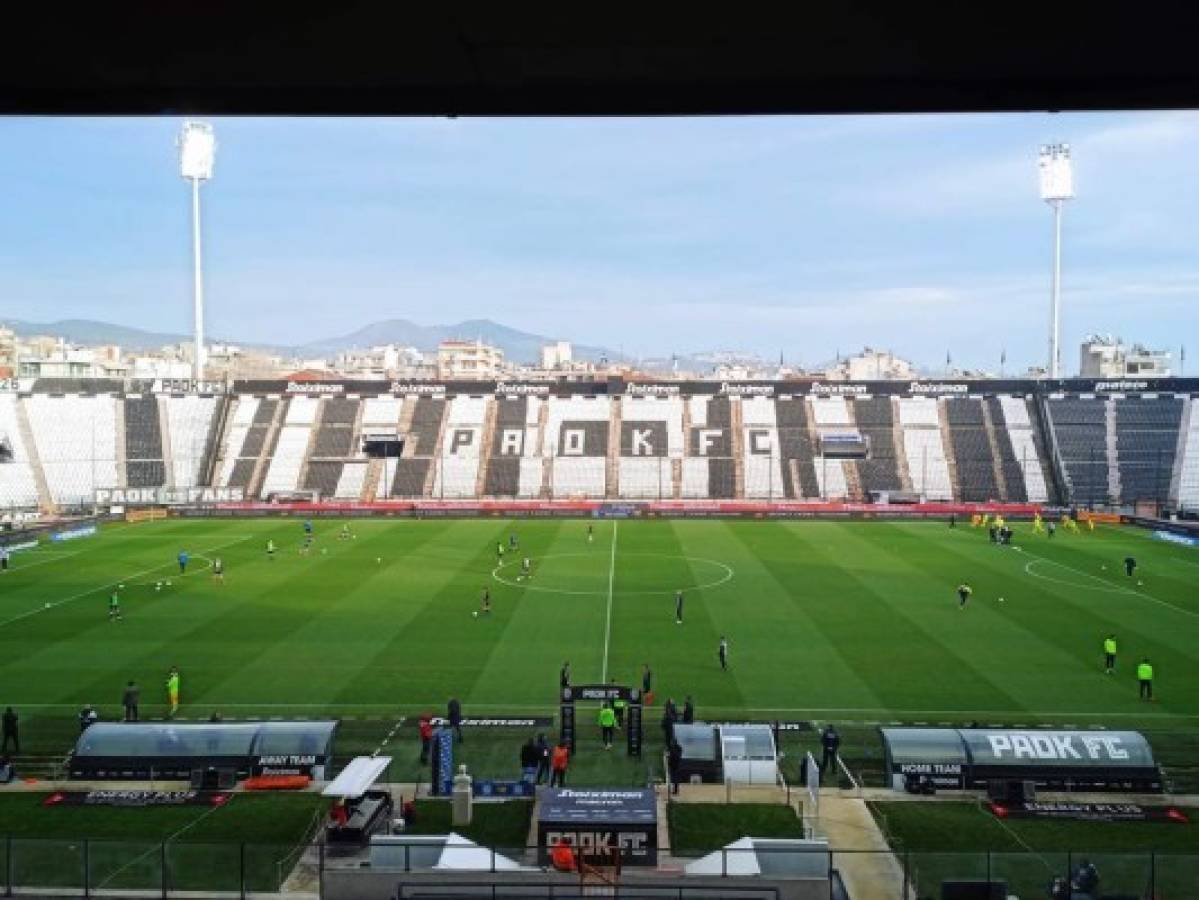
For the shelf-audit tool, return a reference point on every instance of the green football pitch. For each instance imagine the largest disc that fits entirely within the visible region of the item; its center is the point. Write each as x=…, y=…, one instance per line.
x=825, y=620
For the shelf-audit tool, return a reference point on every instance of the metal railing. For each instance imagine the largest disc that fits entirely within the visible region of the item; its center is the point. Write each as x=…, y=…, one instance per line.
x=173, y=868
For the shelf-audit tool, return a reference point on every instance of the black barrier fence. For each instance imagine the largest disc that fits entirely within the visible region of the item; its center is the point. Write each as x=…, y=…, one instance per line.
x=180, y=868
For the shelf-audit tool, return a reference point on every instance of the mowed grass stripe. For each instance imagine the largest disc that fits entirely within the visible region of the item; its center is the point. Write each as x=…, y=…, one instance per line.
x=337, y=624
x=542, y=627
x=1044, y=651
x=435, y=652
x=58, y=639
x=649, y=569
x=1087, y=552
x=1076, y=619
x=781, y=655
x=205, y=628
x=905, y=634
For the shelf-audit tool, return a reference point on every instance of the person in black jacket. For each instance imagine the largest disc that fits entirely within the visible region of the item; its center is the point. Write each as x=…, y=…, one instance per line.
x=830, y=741
x=543, y=758
x=528, y=760
x=669, y=717
x=11, y=732
x=454, y=714
x=674, y=759
x=564, y=675
x=130, y=699
x=688, y=711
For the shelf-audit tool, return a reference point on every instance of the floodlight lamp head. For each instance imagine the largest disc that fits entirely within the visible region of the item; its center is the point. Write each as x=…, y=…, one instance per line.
x=197, y=151
x=1057, y=172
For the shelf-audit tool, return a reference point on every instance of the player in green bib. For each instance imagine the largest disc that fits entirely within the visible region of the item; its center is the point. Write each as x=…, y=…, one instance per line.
x=114, y=606
x=173, y=690
x=1109, y=654
x=1145, y=678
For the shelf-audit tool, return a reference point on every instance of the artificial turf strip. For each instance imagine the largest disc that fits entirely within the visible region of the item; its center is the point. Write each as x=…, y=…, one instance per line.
x=952, y=840
x=699, y=828
x=200, y=848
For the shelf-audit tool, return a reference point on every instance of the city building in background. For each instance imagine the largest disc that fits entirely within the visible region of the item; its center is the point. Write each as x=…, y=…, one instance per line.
x=469, y=360
x=871, y=365
x=1103, y=356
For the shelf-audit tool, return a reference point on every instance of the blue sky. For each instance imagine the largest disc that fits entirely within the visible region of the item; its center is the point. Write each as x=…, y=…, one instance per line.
x=805, y=235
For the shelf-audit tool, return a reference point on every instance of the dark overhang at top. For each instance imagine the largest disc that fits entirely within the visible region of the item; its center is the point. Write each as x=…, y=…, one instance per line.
x=513, y=59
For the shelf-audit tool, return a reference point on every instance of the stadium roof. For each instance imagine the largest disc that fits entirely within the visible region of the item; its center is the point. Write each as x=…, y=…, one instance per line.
x=374, y=58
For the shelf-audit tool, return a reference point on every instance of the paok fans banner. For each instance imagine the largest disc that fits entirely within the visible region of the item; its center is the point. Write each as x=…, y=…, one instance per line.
x=165, y=496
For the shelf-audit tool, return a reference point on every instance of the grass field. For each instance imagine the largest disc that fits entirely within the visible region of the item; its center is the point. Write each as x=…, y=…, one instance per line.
x=831, y=621
x=198, y=848
x=952, y=840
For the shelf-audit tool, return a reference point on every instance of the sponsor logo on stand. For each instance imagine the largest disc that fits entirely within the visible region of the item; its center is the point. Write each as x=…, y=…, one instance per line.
x=314, y=387
x=933, y=387
x=820, y=387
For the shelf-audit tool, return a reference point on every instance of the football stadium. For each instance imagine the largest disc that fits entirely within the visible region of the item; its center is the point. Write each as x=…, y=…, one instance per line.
x=468, y=611
x=922, y=559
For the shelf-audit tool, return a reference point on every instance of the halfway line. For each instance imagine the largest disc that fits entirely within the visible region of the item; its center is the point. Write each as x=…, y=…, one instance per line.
x=608, y=617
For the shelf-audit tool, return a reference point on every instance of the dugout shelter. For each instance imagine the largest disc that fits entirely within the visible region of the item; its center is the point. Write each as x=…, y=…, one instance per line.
x=203, y=752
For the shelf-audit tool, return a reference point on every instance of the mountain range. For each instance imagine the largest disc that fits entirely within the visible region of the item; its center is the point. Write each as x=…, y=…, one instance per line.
x=518, y=346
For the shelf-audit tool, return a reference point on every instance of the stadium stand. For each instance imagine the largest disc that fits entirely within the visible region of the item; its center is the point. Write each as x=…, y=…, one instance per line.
x=760, y=455
x=351, y=481
x=190, y=421
x=576, y=444
x=833, y=422
x=144, y=465
x=421, y=442
x=507, y=446
x=1147, y=431
x=1020, y=449
x=332, y=444
x=795, y=448
x=283, y=471
x=18, y=482
x=1079, y=426
x=974, y=459
x=56, y=449
x=1187, y=494
x=924, y=448
x=651, y=435
x=76, y=442
x=457, y=471
x=876, y=422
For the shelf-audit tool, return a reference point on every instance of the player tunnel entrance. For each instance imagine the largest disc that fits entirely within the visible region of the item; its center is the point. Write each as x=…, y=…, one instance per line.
x=602, y=693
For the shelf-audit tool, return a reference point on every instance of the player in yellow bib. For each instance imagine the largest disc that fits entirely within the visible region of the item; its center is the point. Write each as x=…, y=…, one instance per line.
x=1038, y=526
x=173, y=690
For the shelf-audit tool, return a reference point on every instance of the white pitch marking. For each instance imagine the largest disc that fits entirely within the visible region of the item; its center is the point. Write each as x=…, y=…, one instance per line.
x=608, y=615
x=1109, y=589
x=88, y=593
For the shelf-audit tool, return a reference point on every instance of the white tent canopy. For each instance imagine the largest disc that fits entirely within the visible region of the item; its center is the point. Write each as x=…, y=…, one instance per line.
x=463, y=854
x=356, y=778
x=766, y=856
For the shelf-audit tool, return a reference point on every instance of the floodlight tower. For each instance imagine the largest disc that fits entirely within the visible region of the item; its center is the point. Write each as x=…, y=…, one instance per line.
x=197, y=150
x=1057, y=186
